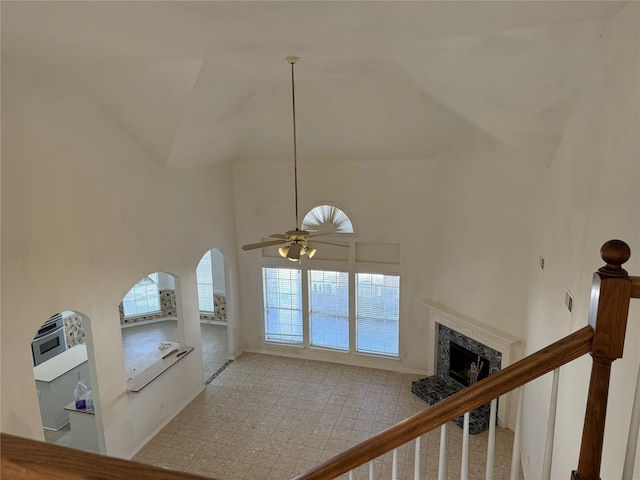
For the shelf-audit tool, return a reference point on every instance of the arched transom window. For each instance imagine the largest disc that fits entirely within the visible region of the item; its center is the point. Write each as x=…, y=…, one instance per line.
x=327, y=218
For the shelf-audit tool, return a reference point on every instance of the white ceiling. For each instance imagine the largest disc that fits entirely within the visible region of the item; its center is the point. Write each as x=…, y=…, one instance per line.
x=206, y=82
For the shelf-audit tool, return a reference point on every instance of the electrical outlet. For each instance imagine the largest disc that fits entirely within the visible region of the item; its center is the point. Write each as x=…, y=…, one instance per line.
x=568, y=300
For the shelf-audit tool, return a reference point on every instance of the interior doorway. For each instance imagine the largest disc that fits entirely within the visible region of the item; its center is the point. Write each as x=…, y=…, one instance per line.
x=62, y=356
x=212, y=304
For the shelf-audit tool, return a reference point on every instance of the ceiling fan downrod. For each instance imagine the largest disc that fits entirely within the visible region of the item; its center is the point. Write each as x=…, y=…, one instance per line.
x=292, y=60
x=297, y=239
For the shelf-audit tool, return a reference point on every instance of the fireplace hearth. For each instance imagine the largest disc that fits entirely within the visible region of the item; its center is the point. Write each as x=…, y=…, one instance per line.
x=461, y=361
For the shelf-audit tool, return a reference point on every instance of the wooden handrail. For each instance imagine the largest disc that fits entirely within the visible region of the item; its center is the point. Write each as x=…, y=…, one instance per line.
x=529, y=368
x=25, y=459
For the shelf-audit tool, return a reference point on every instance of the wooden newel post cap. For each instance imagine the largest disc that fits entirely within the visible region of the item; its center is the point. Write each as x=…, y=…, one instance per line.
x=614, y=253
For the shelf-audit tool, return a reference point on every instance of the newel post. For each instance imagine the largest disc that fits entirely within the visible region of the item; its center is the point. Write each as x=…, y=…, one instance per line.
x=608, y=311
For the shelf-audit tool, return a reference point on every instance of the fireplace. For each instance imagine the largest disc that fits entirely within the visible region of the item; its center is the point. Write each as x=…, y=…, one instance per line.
x=465, y=366
x=457, y=351
x=461, y=361
x=458, y=342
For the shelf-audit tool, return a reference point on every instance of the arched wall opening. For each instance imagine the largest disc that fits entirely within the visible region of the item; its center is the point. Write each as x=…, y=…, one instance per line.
x=150, y=318
x=62, y=352
x=212, y=304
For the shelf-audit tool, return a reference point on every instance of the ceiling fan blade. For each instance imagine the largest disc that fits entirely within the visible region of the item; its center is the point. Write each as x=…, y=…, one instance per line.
x=329, y=243
x=263, y=244
x=279, y=235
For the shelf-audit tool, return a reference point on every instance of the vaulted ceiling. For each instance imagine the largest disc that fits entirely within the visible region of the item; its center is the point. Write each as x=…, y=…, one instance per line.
x=206, y=82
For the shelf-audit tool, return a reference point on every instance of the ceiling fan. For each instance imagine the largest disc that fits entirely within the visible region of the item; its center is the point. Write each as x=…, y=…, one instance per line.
x=297, y=239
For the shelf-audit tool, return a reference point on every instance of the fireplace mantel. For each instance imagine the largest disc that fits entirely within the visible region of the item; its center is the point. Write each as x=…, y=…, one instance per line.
x=506, y=344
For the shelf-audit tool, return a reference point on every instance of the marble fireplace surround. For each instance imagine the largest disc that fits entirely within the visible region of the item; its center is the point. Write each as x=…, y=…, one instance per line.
x=507, y=345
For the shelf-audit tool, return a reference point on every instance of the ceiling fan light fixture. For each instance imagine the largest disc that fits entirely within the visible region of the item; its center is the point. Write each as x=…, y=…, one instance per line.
x=310, y=251
x=296, y=250
x=284, y=251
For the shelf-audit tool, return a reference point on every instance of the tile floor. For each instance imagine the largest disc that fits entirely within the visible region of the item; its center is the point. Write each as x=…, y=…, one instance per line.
x=59, y=437
x=270, y=418
x=140, y=339
x=215, y=347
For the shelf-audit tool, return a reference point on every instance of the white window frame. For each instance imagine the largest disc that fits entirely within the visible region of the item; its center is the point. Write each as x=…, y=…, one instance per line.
x=329, y=216
x=377, y=291
x=344, y=315
x=297, y=309
x=351, y=268
x=134, y=291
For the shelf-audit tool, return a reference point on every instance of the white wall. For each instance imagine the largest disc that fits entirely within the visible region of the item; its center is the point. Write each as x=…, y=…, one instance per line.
x=165, y=281
x=485, y=194
x=85, y=214
x=217, y=271
x=463, y=222
x=590, y=194
x=391, y=202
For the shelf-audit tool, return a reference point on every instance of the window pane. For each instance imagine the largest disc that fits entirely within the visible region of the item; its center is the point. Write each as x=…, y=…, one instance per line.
x=377, y=313
x=204, y=276
x=329, y=309
x=142, y=299
x=282, y=289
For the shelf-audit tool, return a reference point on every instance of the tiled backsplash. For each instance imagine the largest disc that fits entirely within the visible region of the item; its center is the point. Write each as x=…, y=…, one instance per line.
x=74, y=330
x=168, y=309
x=219, y=313
x=138, y=318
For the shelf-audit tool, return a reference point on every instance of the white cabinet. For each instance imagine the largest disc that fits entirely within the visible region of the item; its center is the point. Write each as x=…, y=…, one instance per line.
x=55, y=381
x=83, y=429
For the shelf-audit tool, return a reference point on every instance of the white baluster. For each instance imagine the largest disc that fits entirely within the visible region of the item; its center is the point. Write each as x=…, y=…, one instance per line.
x=394, y=465
x=371, y=470
x=464, y=462
x=515, y=455
x=416, y=462
x=551, y=427
x=443, y=452
x=632, y=439
x=351, y=475
x=491, y=441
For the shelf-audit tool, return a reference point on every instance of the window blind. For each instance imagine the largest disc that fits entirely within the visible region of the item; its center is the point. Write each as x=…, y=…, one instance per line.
x=377, y=313
x=142, y=299
x=329, y=309
x=282, y=290
x=204, y=278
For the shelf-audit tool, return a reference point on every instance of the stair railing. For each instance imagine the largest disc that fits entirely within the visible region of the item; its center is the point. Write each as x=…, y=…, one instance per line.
x=603, y=337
